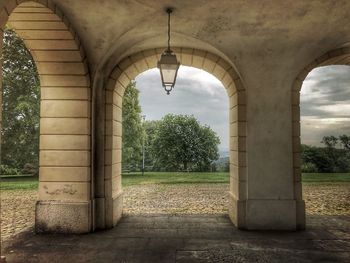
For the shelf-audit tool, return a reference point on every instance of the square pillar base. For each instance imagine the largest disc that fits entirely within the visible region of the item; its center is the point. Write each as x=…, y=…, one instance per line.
x=267, y=214
x=271, y=215
x=63, y=217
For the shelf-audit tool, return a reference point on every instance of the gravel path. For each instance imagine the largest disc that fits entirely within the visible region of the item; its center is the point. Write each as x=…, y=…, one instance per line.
x=17, y=206
x=17, y=211
x=327, y=199
x=176, y=199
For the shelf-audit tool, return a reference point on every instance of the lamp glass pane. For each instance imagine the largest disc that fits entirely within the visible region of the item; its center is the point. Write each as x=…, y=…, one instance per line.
x=168, y=88
x=169, y=74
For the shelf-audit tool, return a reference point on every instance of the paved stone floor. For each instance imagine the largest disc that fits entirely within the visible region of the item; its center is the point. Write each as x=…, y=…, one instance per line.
x=185, y=238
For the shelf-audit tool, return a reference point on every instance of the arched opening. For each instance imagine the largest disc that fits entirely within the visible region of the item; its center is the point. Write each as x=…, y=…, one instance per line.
x=325, y=137
x=312, y=93
x=186, y=145
x=64, y=164
x=110, y=202
x=19, y=135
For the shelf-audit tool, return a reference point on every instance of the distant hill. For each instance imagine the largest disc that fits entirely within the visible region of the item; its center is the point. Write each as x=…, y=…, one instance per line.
x=222, y=164
x=224, y=153
x=222, y=160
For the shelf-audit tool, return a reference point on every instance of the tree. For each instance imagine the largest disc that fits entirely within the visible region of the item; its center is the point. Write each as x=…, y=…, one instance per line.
x=182, y=143
x=21, y=104
x=345, y=141
x=150, y=129
x=329, y=159
x=330, y=141
x=316, y=159
x=132, y=128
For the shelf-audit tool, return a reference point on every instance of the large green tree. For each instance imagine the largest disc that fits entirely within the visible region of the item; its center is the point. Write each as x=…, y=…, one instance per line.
x=150, y=130
x=132, y=128
x=182, y=143
x=21, y=104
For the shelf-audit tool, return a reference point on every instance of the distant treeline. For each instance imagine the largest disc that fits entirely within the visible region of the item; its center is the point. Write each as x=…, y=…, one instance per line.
x=334, y=157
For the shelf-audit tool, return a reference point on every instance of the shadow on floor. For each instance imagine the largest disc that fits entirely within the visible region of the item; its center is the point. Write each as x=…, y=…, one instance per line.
x=162, y=238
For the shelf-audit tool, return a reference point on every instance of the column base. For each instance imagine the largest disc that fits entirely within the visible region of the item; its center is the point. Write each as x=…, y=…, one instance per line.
x=271, y=215
x=267, y=214
x=236, y=211
x=99, y=213
x=301, y=218
x=114, y=210
x=63, y=217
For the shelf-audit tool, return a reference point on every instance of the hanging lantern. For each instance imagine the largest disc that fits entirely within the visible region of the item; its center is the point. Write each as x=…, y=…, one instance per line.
x=168, y=64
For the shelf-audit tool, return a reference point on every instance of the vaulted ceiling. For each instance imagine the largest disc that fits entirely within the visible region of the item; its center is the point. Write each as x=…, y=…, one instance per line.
x=236, y=29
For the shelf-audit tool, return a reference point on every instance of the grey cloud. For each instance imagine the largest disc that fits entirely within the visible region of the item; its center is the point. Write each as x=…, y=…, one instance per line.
x=325, y=86
x=312, y=132
x=313, y=110
x=331, y=84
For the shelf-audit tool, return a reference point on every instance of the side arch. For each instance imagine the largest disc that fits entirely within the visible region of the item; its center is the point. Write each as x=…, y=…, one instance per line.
x=339, y=56
x=120, y=77
x=64, y=175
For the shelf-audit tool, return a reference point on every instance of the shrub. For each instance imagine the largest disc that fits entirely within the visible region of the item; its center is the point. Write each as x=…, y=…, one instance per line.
x=309, y=168
x=29, y=169
x=6, y=170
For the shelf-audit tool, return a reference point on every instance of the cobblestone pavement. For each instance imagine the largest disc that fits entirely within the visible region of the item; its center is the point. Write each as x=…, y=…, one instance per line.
x=17, y=209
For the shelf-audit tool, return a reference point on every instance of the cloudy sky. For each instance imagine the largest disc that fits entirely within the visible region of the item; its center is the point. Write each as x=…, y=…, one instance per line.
x=325, y=101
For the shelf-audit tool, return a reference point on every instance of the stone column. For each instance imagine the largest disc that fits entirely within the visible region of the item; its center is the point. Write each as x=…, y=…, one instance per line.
x=271, y=201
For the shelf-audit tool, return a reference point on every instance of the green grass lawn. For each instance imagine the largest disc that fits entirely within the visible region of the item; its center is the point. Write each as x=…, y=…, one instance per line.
x=18, y=183
x=326, y=177
x=25, y=182
x=173, y=178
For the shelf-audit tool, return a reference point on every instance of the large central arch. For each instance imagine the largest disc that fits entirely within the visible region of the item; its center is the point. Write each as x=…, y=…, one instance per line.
x=108, y=189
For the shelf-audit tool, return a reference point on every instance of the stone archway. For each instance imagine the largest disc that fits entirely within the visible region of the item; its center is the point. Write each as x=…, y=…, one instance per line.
x=339, y=56
x=109, y=202
x=64, y=189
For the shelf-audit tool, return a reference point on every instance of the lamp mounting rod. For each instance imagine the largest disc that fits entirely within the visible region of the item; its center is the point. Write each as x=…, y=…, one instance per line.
x=169, y=10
